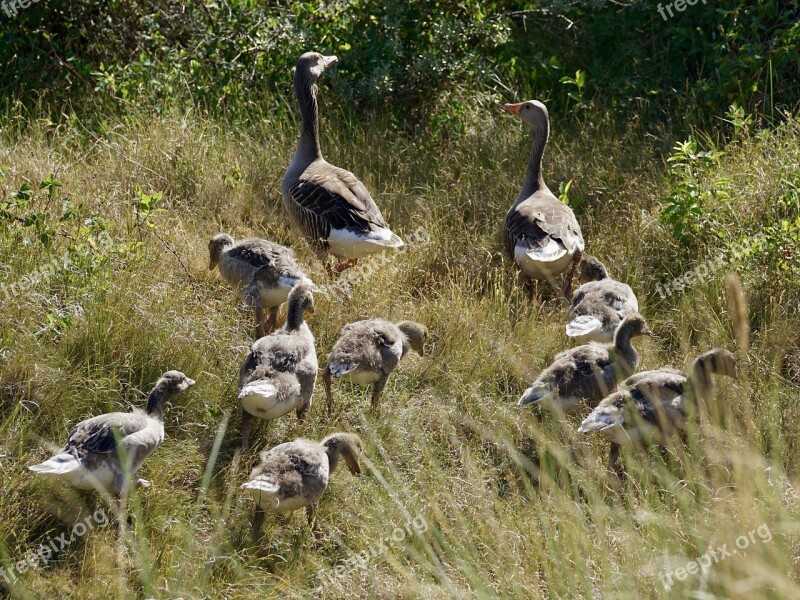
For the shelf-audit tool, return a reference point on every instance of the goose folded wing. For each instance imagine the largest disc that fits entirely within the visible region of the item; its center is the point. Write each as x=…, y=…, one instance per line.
x=259, y=253
x=100, y=435
x=338, y=197
x=538, y=218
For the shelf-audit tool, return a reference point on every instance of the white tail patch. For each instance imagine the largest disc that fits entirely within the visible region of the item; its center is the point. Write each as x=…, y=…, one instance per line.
x=584, y=326
x=58, y=464
x=600, y=421
x=262, y=484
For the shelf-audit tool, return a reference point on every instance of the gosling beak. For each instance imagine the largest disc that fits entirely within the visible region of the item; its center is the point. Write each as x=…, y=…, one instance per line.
x=513, y=108
x=311, y=309
x=356, y=469
x=647, y=331
x=329, y=61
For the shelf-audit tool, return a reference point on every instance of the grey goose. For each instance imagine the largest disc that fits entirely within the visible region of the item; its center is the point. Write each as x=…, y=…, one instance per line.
x=262, y=272
x=328, y=205
x=541, y=233
x=599, y=305
x=92, y=458
x=656, y=404
x=295, y=474
x=279, y=372
x=588, y=373
x=368, y=351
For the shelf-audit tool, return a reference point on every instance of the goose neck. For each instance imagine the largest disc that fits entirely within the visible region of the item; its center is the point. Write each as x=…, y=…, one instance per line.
x=306, y=91
x=155, y=402
x=534, y=181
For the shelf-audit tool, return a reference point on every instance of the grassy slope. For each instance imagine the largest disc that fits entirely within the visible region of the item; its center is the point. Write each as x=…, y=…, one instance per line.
x=508, y=515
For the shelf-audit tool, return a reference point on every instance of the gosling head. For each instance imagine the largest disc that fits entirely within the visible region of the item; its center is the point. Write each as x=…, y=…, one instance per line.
x=347, y=446
x=633, y=325
x=302, y=296
x=533, y=112
x=216, y=247
x=719, y=361
x=173, y=382
x=313, y=64
x=592, y=269
x=416, y=334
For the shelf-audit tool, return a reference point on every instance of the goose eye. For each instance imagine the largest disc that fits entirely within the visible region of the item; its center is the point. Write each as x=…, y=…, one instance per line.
x=527, y=107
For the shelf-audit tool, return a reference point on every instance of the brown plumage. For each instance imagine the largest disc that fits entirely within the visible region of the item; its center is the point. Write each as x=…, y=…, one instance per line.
x=368, y=351
x=295, y=474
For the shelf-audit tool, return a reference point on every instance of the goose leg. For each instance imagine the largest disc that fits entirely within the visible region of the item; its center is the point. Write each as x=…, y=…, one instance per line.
x=613, y=463
x=377, y=389
x=326, y=379
x=247, y=427
x=260, y=322
x=272, y=321
x=566, y=291
x=258, y=521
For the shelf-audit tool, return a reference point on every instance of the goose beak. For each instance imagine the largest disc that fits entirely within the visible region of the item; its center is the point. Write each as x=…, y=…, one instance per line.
x=513, y=108
x=329, y=61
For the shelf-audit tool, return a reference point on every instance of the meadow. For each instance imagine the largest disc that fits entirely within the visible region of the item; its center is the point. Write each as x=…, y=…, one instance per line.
x=130, y=133
x=488, y=498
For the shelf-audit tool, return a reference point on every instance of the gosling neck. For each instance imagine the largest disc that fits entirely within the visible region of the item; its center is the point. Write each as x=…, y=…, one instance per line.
x=155, y=402
x=295, y=316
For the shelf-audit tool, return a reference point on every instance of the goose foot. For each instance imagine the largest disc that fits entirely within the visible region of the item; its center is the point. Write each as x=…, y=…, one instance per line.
x=343, y=266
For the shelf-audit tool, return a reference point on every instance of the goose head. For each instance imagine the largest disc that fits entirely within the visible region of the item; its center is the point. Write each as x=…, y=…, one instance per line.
x=416, y=334
x=592, y=269
x=301, y=298
x=533, y=112
x=633, y=325
x=344, y=445
x=174, y=382
x=313, y=64
x=216, y=247
x=171, y=383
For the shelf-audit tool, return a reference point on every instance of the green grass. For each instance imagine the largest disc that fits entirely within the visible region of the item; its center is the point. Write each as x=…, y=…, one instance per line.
x=508, y=512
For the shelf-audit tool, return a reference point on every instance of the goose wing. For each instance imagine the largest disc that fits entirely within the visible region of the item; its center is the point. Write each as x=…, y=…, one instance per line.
x=327, y=197
x=539, y=219
x=100, y=435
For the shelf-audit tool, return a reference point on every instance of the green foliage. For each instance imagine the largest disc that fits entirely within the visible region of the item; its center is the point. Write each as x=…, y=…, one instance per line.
x=689, y=209
x=416, y=62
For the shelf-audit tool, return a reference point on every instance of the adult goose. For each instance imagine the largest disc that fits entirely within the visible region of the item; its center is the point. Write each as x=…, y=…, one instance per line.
x=262, y=272
x=599, y=305
x=294, y=475
x=329, y=205
x=657, y=404
x=280, y=370
x=540, y=232
x=368, y=351
x=588, y=373
x=101, y=450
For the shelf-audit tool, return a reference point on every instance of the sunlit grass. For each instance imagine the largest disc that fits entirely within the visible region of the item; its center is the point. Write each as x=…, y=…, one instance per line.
x=515, y=503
